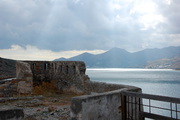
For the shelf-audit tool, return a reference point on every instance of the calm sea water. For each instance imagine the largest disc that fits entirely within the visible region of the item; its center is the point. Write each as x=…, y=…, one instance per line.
x=164, y=82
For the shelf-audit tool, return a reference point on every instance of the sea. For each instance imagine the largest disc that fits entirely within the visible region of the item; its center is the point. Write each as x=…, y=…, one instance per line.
x=164, y=82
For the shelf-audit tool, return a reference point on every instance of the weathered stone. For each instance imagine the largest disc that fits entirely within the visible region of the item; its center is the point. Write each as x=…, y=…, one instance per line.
x=52, y=109
x=24, y=73
x=30, y=118
x=11, y=114
x=1, y=87
x=5, y=85
x=69, y=76
x=33, y=103
x=22, y=69
x=24, y=88
x=1, y=94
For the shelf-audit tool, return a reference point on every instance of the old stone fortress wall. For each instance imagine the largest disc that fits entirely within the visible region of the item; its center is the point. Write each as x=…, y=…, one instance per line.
x=99, y=100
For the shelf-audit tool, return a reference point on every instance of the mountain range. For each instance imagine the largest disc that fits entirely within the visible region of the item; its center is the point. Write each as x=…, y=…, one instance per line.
x=120, y=58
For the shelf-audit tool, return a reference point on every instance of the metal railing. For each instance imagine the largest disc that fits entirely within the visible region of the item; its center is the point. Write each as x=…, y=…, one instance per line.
x=138, y=106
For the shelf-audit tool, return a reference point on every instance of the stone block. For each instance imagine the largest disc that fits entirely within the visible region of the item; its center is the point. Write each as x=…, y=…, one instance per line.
x=11, y=114
x=14, y=81
x=24, y=88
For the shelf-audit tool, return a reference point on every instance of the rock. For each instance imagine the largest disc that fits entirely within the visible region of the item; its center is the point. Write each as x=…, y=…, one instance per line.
x=34, y=102
x=1, y=94
x=24, y=88
x=11, y=114
x=52, y=109
x=30, y=118
x=1, y=87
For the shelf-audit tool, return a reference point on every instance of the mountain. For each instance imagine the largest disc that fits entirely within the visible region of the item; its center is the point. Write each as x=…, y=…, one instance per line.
x=120, y=58
x=7, y=68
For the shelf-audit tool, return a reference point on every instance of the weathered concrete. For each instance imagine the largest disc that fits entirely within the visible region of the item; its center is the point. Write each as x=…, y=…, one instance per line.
x=11, y=114
x=102, y=106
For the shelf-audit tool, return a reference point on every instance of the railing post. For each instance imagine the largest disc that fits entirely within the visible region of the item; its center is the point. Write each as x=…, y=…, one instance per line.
x=123, y=104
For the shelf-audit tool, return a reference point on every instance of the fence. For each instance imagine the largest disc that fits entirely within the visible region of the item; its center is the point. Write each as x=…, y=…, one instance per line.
x=138, y=106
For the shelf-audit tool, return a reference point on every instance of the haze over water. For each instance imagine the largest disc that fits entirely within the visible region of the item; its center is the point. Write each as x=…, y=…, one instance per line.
x=164, y=82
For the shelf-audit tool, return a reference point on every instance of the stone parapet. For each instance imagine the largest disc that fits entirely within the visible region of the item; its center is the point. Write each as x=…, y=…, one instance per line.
x=100, y=106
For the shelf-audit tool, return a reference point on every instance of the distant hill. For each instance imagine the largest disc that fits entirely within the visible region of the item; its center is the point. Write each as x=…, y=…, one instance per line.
x=120, y=58
x=7, y=68
x=172, y=63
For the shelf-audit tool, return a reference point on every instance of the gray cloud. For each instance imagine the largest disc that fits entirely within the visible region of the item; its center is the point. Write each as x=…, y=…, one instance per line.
x=85, y=24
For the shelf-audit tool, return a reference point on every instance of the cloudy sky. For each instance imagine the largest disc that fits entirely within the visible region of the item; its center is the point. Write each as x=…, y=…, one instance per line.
x=49, y=29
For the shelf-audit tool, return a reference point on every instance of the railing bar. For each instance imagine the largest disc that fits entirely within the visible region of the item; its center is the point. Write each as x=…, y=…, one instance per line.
x=131, y=107
x=132, y=98
x=153, y=97
x=156, y=107
x=124, y=107
x=160, y=108
x=140, y=104
x=149, y=106
x=155, y=116
x=135, y=108
x=171, y=108
x=176, y=112
x=127, y=107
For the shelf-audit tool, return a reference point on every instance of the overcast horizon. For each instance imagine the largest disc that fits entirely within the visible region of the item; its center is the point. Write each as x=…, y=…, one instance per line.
x=50, y=29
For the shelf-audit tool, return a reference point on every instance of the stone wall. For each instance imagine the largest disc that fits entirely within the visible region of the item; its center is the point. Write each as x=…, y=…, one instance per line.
x=69, y=76
x=100, y=106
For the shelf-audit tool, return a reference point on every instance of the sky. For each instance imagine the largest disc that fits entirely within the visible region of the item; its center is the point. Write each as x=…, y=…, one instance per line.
x=50, y=29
